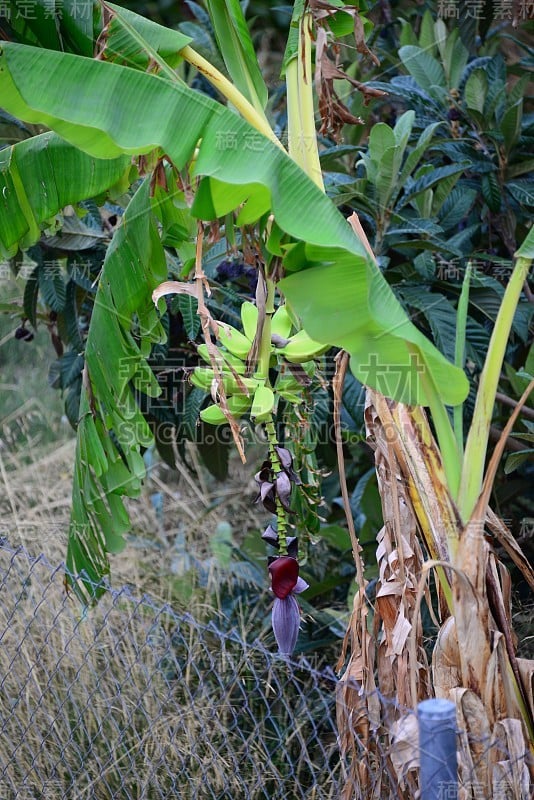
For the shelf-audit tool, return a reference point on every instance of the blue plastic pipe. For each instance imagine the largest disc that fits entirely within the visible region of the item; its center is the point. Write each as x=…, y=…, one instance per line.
x=437, y=750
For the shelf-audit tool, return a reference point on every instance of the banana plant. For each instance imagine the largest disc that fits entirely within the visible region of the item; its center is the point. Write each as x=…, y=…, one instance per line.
x=129, y=119
x=241, y=170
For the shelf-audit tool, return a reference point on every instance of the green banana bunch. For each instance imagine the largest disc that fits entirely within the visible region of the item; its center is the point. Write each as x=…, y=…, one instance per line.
x=250, y=394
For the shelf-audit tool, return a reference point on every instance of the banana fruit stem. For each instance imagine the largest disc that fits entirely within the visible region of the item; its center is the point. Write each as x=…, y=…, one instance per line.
x=263, y=372
x=264, y=355
x=233, y=95
x=281, y=518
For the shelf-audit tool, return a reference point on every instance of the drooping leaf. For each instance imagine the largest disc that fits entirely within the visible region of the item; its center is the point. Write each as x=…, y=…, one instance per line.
x=111, y=427
x=52, y=285
x=408, y=88
x=68, y=322
x=72, y=402
x=46, y=161
x=353, y=404
x=96, y=106
x=76, y=235
x=387, y=351
x=70, y=366
x=491, y=191
x=187, y=306
x=189, y=418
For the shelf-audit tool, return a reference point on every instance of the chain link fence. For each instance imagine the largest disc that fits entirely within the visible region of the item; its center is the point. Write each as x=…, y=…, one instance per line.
x=133, y=700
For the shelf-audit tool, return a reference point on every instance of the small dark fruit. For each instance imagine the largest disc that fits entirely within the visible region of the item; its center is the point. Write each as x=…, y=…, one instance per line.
x=24, y=334
x=229, y=268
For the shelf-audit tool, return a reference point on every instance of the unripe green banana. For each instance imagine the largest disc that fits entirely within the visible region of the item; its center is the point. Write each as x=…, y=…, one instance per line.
x=203, y=352
x=234, y=386
x=249, y=318
x=234, y=341
x=235, y=363
x=203, y=377
x=281, y=323
x=237, y=406
x=262, y=404
x=302, y=348
x=289, y=387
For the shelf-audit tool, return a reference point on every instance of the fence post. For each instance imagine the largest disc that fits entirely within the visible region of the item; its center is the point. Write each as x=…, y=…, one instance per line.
x=437, y=750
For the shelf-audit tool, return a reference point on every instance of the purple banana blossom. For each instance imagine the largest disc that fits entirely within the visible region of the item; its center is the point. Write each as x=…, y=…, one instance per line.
x=286, y=583
x=275, y=486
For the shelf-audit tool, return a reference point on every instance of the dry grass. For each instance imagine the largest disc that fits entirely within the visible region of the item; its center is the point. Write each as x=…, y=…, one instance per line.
x=36, y=480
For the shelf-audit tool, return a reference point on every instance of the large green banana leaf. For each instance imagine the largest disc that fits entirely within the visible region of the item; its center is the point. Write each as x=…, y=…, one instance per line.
x=39, y=177
x=107, y=109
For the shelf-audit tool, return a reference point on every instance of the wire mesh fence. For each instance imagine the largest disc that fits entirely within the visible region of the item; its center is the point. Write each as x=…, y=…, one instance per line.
x=133, y=700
